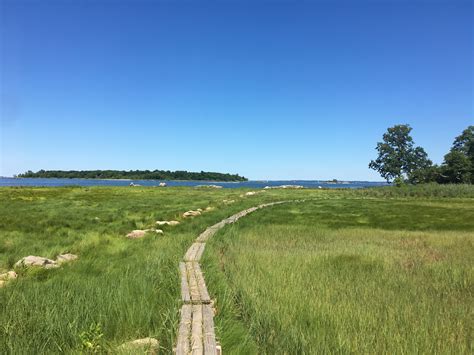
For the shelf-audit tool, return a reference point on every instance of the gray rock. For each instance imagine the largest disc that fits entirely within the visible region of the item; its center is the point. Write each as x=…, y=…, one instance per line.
x=137, y=233
x=167, y=223
x=39, y=261
x=140, y=233
x=191, y=214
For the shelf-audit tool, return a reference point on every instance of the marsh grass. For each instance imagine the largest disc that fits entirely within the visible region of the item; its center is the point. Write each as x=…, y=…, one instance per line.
x=422, y=190
x=127, y=289
x=363, y=262
x=346, y=276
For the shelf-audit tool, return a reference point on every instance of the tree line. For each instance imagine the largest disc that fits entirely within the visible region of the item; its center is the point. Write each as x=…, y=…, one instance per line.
x=133, y=175
x=399, y=160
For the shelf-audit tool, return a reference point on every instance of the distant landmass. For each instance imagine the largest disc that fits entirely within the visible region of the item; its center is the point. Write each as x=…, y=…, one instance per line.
x=133, y=175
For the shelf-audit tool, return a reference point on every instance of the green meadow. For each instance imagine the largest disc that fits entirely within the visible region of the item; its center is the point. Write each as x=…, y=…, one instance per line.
x=371, y=271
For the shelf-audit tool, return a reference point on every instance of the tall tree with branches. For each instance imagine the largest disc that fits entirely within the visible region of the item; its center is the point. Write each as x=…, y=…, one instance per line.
x=398, y=157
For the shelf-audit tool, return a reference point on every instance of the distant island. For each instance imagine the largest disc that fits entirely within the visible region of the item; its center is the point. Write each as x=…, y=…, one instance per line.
x=132, y=175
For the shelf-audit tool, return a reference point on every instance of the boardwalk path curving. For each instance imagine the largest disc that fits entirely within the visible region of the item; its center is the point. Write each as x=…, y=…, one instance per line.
x=196, y=333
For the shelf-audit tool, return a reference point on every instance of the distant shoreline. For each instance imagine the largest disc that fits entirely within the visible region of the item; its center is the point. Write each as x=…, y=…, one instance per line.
x=130, y=175
x=121, y=179
x=329, y=182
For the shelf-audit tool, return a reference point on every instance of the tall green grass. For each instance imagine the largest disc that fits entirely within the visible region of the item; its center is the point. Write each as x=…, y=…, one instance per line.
x=118, y=289
x=422, y=190
x=346, y=276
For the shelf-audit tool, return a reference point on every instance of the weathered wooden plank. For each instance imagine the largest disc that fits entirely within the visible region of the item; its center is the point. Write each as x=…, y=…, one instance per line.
x=204, y=236
x=210, y=346
x=229, y=220
x=209, y=232
x=185, y=295
x=191, y=253
x=193, y=284
x=201, y=284
x=196, y=331
x=219, y=225
x=200, y=251
x=183, y=345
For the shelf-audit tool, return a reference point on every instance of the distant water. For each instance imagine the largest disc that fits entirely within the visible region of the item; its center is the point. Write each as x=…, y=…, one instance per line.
x=314, y=184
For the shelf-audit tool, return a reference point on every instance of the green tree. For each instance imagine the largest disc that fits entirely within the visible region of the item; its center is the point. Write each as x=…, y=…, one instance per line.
x=458, y=165
x=456, y=168
x=399, y=158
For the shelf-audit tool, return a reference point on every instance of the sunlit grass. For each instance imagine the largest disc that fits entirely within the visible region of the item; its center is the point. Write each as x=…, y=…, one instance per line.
x=130, y=288
x=326, y=277
x=376, y=274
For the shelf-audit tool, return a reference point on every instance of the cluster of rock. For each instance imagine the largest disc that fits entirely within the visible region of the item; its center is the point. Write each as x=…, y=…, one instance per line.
x=36, y=261
x=31, y=260
x=209, y=186
x=39, y=261
x=284, y=187
x=140, y=233
x=192, y=213
x=161, y=184
x=198, y=212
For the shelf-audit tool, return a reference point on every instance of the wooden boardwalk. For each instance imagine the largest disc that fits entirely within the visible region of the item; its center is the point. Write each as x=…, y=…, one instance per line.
x=196, y=333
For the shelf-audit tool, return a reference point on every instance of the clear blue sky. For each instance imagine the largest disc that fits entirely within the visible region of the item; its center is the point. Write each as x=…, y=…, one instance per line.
x=266, y=89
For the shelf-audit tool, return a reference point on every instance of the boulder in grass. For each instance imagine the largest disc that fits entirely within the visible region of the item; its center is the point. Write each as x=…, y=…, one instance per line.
x=37, y=261
x=137, y=233
x=167, y=223
x=285, y=187
x=191, y=214
x=162, y=184
x=10, y=275
x=64, y=258
x=140, y=233
x=209, y=209
x=140, y=346
x=2, y=283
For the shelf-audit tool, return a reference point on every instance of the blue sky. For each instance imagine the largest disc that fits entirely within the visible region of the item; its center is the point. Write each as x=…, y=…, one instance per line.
x=266, y=89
